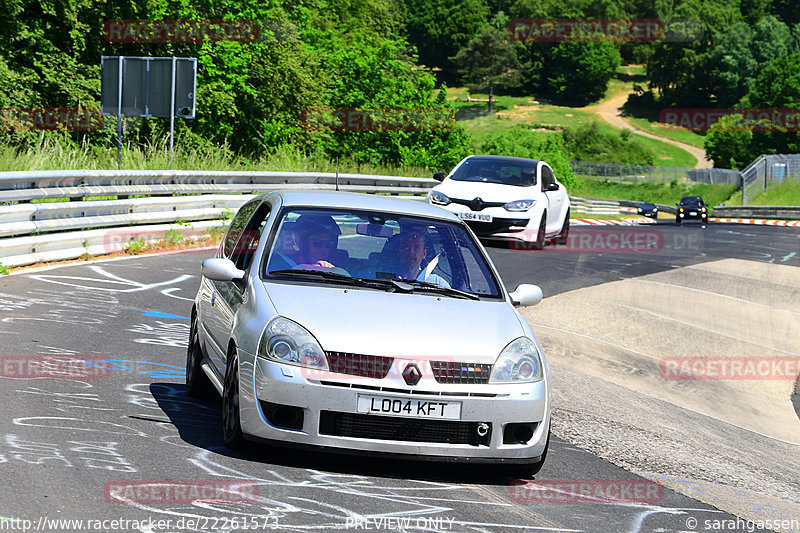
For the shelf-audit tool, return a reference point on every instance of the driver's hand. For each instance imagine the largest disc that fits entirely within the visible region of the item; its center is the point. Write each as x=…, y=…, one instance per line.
x=325, y=264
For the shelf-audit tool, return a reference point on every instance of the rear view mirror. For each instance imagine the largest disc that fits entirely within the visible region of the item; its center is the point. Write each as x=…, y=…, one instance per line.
x=374, y=230
x=219, y=269
x=526, y=295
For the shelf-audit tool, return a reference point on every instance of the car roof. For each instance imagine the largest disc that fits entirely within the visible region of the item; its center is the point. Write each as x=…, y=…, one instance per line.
x=505, y=158
x=687, y=198
x=348, y=200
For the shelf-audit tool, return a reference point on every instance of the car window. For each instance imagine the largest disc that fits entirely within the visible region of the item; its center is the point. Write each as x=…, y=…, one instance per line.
x=236, y=227
x=505, y=172
x=547, y=176
x=375, y=245
x=249, y=238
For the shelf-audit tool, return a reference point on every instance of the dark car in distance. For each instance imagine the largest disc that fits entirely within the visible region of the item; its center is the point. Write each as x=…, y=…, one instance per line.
x=691, y=208
x=647, y=209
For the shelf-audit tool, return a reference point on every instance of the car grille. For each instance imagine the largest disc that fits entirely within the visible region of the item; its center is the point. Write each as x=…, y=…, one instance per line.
x=472, y=204
x=401, y=429
x=463, y=373
x=367, y=366
x=497, y=225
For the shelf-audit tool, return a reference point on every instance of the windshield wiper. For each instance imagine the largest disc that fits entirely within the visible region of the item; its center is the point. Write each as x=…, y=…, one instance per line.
x=318, y=275
x=433, y=287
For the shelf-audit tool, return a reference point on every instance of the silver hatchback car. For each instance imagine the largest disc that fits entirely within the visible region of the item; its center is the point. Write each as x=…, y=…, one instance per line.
x=367, y=324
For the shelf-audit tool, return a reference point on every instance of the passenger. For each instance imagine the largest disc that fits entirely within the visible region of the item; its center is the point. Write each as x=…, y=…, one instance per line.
x=408, y=262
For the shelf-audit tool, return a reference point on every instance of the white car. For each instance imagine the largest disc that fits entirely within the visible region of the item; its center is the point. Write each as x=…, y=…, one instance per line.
x=508, y=197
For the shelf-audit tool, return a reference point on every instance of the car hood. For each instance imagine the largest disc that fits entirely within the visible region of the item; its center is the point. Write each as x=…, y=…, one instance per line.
x=373, y=322
x=489, y=192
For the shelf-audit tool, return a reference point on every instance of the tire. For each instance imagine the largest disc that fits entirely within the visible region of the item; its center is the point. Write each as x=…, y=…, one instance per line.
x=528, y=470
x=231, y=421
x=540, y=235
x=197, y=383
x=561, y=238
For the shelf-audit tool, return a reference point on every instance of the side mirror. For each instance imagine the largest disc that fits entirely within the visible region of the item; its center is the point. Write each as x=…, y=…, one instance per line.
x=526, y=295
x=219, y=269
x=439, y=176
x=551, y=187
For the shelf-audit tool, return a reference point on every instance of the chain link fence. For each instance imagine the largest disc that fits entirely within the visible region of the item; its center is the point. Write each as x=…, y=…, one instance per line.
x=768, y=171
x=653, y=174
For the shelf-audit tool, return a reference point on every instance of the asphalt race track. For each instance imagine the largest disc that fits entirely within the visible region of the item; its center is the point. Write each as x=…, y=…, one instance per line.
x=119, y=442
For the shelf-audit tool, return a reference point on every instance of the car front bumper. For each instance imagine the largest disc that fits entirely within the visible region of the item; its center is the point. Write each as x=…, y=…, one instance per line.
x=330, y=418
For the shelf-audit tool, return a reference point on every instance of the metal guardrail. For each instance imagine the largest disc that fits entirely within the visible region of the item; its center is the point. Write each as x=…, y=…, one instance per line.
x=758, y=211
x=47, y=231
x=33, y=232
x=593, y=207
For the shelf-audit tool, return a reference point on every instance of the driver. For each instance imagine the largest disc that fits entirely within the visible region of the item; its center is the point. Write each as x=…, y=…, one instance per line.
x=317, y=238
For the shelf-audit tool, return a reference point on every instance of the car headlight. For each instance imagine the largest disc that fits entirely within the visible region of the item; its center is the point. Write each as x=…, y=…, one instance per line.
x=288, y=342
x=681, y=210
x=519, y=362
x=704, y=210
x=438, y=198
x=519, y=205
x=640, y=209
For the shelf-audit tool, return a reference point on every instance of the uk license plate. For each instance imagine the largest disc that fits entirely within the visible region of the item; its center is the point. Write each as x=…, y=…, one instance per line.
x=692, y=213
x=477, y=217
x=408, y=407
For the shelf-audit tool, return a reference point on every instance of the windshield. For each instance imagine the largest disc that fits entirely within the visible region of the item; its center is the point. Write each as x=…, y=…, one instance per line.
x=505, y=172
x=378, y=246
x=695, y=200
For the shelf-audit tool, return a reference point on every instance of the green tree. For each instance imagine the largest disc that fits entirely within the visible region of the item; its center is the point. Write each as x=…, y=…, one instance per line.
x=740, y=52
x=440, y=28
x=585, y=142
x=489, y=61
x=728, y=144
x=521, y=141
x=732, y=64
x=678, y=71
x=776, y=87
x=580, y=71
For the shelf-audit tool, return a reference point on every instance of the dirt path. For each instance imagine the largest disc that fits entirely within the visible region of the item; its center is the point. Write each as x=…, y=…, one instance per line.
x=610, y=111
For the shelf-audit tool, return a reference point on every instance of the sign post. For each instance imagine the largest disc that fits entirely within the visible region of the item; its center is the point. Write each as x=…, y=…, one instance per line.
x=148, y=87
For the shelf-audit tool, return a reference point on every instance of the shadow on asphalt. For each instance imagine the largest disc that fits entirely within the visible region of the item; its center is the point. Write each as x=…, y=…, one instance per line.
x=198, y=422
